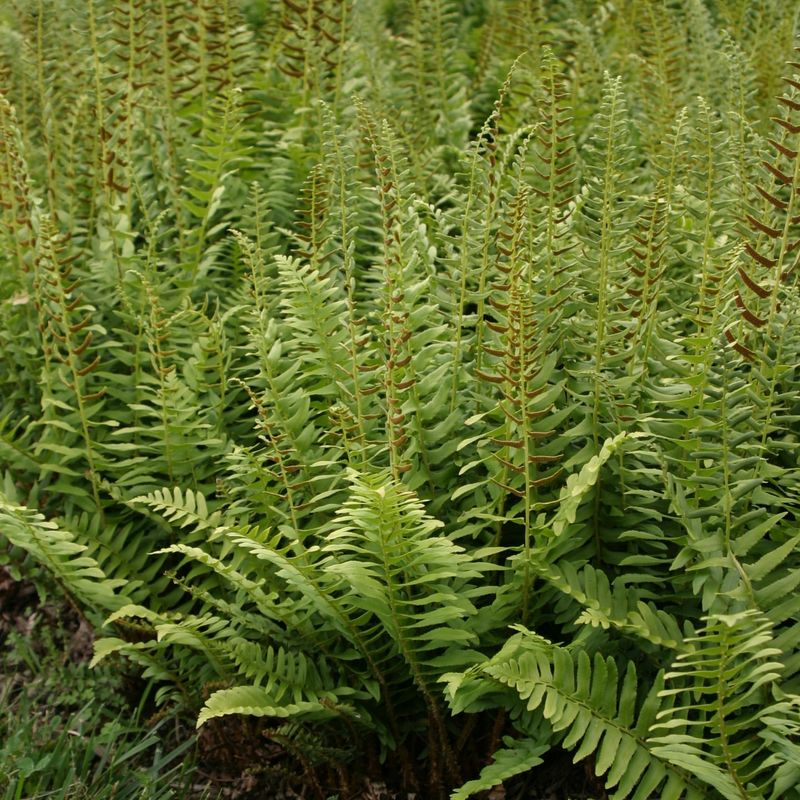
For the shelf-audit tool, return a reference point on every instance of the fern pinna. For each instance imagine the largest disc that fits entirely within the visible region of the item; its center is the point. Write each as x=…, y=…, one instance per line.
x=417, y=377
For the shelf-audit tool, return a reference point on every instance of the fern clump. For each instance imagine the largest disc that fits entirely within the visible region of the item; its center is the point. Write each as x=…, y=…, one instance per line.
x=420, y=377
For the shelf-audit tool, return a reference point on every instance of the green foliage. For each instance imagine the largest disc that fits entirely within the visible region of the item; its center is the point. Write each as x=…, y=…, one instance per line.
x=590, y=708
x=339, y=337
x=516, y=757
x=58, y=551
x=65, y=730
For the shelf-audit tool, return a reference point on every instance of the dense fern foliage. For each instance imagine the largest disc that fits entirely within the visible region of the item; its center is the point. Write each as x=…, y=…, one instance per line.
x=419, y=375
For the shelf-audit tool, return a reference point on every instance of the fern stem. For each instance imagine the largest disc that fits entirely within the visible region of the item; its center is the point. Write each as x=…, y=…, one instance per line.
x=721, y=694
x=441, y=743
x=46, y=120
x=77, y=382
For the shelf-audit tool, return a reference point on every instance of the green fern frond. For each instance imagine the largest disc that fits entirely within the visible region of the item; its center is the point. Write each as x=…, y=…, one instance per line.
x=182, y=508
x=592, y=712
x=62, y=554
x=515, y=757
x=256, y=702
x=721, y=685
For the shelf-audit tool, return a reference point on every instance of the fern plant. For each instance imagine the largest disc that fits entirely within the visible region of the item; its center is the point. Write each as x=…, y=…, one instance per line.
x=419, y=377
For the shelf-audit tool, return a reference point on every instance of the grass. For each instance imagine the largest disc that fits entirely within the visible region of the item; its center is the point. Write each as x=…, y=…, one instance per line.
x=67, y=731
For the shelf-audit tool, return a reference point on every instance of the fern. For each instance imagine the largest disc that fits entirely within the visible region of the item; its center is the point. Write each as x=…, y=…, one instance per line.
x=730, y=665
x=337, y=338
x=258, y=703
x=590, y=711
x=57, y=550
x=517, y=756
